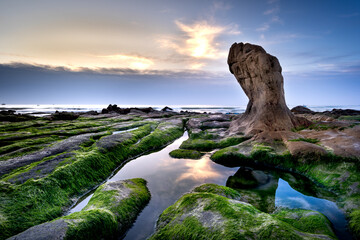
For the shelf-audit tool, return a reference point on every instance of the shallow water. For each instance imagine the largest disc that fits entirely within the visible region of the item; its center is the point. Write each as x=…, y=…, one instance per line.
x=126, y=130
x=169, y=178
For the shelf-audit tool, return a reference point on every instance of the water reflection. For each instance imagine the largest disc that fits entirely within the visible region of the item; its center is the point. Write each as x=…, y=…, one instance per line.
x=168, y=178
x=267, y=189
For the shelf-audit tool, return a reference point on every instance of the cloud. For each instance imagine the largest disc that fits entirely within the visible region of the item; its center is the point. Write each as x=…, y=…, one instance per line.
x=199, y=39
x=89, y=61
x=263, y=28
x=190, y=74
x=134, y=62
x=272, y=13
x=272, y=10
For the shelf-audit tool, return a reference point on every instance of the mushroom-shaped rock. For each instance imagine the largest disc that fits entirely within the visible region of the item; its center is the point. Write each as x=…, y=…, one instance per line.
x=259, y=75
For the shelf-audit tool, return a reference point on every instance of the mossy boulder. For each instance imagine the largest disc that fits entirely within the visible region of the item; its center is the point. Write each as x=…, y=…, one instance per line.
x=110, y=212
x=207, y=215
x=183, y=153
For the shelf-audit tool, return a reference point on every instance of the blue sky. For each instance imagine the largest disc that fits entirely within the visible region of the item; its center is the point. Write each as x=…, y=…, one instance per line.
x=174, y=52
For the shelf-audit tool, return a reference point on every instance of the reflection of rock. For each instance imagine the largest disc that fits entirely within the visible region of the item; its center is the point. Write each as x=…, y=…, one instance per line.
x=247, y=178
x=259, y=75
x=256, y=187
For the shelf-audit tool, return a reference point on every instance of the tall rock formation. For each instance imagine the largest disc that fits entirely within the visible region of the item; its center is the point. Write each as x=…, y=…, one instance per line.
x=259, y=75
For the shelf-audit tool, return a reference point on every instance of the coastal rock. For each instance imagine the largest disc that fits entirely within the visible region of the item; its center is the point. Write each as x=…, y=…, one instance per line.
x=212, y=212
x=167, y=109
x=109, y=213
x=259, y=75
x=116, y=109
x=301, y=110
x=64, y=116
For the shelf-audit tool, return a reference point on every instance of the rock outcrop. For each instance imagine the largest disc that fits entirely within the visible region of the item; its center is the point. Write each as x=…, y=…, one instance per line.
x=211, y=211
x=110, y=213
x=259, y=75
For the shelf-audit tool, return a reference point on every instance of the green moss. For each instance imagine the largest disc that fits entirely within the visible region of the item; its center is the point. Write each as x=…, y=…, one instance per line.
x=183, y=153
x=219, y=190
x=204, y=215
x=26, y=168
x=41, y=200
x=207, y=145
x=309, y=140
x=306, y=221
x=355, y=222
x=350, y=118
x=327, y=171
x=16, y=148
x=105, y=215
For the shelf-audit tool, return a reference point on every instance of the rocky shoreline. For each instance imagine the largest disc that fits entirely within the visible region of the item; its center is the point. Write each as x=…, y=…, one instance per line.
x=47, y=163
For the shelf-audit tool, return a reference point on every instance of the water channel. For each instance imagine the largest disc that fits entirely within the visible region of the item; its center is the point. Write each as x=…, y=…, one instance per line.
x=168, y=179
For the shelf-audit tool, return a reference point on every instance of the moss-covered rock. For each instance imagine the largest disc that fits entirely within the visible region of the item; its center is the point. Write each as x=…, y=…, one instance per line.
x=207, y=215
x=184, y=153
x=207, y=144
x=305, y=220
x=109, y=213
x=337, y=174
x=33, y=202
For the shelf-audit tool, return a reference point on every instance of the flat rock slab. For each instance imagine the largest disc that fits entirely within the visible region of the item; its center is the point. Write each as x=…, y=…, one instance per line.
x=345, y=143
x=67, y=145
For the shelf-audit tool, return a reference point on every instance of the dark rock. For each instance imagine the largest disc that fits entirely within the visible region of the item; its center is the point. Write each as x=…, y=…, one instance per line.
x=167, y=109
x=10, y=116
x=92, y=112
x=341, y=112
x=115, y=108
x=7, y=112
x=301, y=110
x=64, y=116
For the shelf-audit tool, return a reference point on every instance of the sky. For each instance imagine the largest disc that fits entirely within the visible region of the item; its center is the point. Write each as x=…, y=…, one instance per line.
x=174, y=52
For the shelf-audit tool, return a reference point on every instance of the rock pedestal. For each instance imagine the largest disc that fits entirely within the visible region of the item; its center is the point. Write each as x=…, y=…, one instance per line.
x=259, y=75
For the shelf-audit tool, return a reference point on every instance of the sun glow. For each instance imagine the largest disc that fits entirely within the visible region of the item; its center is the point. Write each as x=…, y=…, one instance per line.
x=201, y=39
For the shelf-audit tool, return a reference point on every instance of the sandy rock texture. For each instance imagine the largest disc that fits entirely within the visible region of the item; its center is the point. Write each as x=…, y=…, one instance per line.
x=259, y=75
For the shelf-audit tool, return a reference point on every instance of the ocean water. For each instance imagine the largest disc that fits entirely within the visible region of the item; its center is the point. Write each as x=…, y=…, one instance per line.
x=41, y=110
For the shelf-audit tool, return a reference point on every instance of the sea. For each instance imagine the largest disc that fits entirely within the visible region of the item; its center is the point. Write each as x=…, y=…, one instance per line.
x=42, y=110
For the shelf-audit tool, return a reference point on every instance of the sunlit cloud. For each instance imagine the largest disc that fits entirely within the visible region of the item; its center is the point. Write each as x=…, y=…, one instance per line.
x=197, y=65
x=199, y=40
x=89, y=61
x=134, y=62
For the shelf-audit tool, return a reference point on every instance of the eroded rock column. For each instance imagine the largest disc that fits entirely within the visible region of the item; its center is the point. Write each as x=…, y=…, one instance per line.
x=259, y=75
